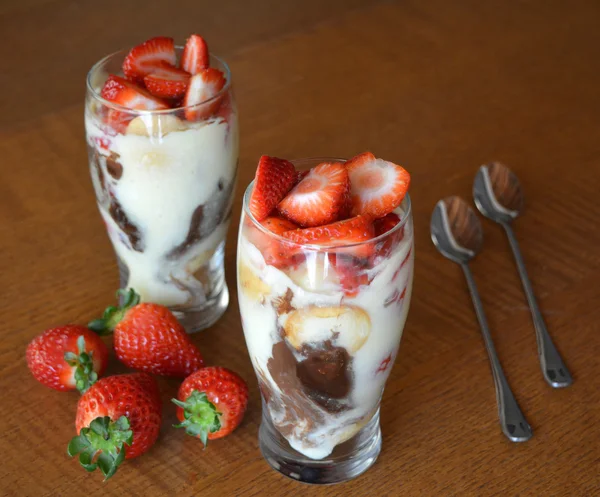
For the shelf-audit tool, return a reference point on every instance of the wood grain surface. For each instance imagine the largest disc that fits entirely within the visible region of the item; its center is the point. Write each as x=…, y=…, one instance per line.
x=438, y=86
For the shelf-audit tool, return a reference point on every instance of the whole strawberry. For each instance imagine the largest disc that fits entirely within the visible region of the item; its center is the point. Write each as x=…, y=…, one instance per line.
x=148, y=337
x=117, y=418
x=67, y=358
x=211, y=403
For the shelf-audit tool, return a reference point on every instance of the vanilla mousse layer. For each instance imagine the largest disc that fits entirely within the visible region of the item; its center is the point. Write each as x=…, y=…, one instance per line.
x=165, y=188
x=322, y=357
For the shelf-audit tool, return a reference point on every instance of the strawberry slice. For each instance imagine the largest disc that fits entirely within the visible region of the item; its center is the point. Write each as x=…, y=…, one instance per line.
x=383, y=225
x=195, y=55
x=377, y=186
x=145, y=58
x=275, y=252
x=203, y=87
x=318, y=198
x=167, y=81
x=274, y=178
x=120, y=91
x=350, y=271
x=354, y=230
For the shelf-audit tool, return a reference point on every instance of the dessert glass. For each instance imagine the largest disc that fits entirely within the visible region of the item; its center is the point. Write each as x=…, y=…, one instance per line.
x=323, y=327
x=165, y=186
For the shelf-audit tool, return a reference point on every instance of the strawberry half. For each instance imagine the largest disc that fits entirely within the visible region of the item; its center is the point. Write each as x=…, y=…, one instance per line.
x=195, y=55
x=377, y=186
x=383, y=225
x=145, y=58
x=203, y=87
x=274, y=178
x=167, y=81
x=319, y=196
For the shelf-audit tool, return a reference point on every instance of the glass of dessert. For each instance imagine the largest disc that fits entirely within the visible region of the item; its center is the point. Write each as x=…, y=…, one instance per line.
x=325, y=268
x=162, y=135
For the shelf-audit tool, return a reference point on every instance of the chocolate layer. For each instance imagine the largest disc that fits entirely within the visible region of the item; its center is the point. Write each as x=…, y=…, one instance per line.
x=131, y=230
x=205, y=219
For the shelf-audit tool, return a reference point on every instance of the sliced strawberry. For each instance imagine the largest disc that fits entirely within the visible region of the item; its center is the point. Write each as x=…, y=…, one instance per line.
x=167, y=81
x=275, y=252
x=145, y=58
x=354, y=230
x=203, y=87
x=120, y=91
x=274, y=178
x=195, y=55
x=377, y=186
x=318, y=198
x=388, y=222
x=300, y=175
x=351, y=272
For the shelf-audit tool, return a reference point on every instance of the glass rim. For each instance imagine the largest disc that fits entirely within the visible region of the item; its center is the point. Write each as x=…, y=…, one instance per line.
x=144, y=112
x=322, y=248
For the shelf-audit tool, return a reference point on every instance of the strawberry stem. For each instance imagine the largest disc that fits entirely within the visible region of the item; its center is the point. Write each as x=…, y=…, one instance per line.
x=102, y=444
x=201, y=416
x=113, y=315
x=85, y=376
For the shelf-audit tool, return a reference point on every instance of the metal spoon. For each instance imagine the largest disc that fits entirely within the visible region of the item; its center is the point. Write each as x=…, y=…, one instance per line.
x=498, y=196
x=457, y=234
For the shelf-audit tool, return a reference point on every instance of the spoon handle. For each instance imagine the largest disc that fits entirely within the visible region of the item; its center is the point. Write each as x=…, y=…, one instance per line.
x=553, y=368
x=513, y=422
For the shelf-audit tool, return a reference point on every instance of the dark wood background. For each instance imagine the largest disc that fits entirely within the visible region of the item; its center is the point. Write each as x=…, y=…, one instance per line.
x=437, y=86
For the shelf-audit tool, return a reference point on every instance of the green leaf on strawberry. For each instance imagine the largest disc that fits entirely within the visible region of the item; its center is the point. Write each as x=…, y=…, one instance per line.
x=102, y=444
x=201, y=416
x=84, y=375
x=113, y=315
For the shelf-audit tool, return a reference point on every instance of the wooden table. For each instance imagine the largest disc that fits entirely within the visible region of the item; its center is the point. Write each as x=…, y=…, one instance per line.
x=438, y=86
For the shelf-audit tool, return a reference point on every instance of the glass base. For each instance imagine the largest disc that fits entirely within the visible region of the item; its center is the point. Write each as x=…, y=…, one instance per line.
x=195, y=320
x=347, y=461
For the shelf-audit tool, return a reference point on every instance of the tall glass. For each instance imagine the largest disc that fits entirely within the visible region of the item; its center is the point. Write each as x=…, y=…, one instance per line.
x=323, y=327
x=165, y=184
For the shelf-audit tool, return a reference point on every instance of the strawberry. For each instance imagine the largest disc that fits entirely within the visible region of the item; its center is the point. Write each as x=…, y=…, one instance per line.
x=120, y=91
x=275, y=252
x=148, y=337
x=300, y=175
x=382, y=226
x=144, y=58
x=117, y=418
x=167, y=81
x=202, y=97
x=211, y=403
x=195, y=55
x=318, y=198
x=274, y=178
x=351, y=272
x=376, y=186
x=350, y=231
x=67, y=358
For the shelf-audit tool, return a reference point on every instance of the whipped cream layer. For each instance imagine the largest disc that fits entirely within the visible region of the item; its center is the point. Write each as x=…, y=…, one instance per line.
x=166, y=199
x=299, y=321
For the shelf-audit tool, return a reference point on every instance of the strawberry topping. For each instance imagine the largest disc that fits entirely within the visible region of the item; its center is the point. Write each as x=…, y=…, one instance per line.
x=377, y=186
x=195, y=55
x=167, y=81
x=130, y=95
x=145, y=58
x=354, y=230
x=319, y=196
x=274, y=178
x=203, y=87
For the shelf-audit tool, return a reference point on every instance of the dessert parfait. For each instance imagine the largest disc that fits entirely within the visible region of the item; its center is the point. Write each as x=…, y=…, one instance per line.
x=162, y=137
x=325, y=268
